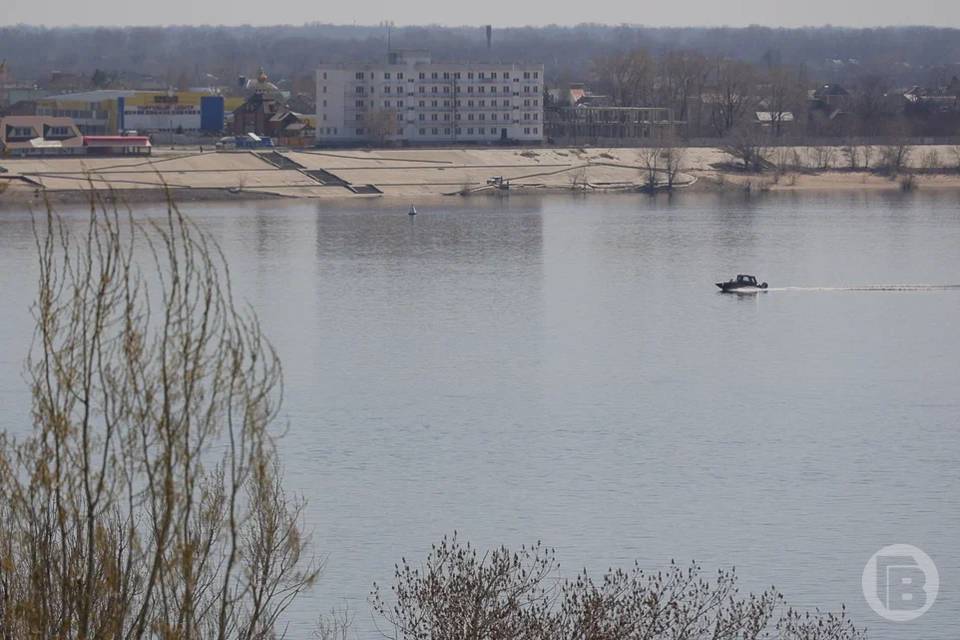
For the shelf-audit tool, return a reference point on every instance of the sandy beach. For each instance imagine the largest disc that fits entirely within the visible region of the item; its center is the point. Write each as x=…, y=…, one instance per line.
x=415, y=173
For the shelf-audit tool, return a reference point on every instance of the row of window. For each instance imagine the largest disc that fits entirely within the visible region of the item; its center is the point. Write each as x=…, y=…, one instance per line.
x=435, y=131
x=362, y=90
x=482, y=131
x=446, y=75
x=436, y=104
x=479, y=116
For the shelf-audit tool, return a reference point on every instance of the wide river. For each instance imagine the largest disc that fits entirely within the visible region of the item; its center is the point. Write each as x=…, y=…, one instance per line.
x=563, y=369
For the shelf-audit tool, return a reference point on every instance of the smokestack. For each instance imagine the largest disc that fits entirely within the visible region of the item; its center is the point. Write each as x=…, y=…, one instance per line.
x=489, y=35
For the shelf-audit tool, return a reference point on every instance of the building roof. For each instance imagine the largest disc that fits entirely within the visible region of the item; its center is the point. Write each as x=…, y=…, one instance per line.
x=769, y=116
x=91, y=96
x=116, y=141
x=40, y=133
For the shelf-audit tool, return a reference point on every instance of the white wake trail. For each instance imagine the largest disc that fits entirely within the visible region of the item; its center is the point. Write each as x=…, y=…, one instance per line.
x=875, y=287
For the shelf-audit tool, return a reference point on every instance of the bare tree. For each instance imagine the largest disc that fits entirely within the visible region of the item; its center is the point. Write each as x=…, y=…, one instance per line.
x=733, y=96
x=460, y=594
x=748, y=144
x=683, y=75
x=148, y=500
x=955, y=153
x=381, y=124
x=784, y=96
x=820, y=156
x=650, y=161
x=627, y=77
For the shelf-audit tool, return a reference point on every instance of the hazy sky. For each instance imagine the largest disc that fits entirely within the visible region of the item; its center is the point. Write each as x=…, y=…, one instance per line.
x=945, y=13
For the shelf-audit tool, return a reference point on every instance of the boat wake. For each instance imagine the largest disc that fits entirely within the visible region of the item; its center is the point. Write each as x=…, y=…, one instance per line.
x=876, y=287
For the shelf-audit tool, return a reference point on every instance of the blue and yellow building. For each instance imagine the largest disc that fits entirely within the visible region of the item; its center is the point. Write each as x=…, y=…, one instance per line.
x=112, y=111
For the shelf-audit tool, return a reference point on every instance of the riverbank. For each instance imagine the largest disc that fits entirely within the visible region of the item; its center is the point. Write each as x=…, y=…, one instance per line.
x=413, y=173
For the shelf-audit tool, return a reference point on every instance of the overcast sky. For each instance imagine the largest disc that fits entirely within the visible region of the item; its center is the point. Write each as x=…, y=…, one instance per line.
x=945, y=13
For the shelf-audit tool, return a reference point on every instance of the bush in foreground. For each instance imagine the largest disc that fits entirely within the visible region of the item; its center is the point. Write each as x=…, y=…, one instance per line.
x=462, y=594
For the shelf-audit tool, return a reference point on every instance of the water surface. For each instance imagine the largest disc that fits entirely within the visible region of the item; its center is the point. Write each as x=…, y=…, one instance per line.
x=563, y=369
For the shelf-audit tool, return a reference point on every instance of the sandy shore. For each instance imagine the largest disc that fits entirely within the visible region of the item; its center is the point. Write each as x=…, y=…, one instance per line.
x=407, y=174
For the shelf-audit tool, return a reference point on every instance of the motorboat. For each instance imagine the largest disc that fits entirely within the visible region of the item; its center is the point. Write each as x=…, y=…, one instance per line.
x=742, y=284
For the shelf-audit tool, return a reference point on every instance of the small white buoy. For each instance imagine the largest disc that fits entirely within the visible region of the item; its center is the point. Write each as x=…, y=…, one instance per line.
x=413, y=211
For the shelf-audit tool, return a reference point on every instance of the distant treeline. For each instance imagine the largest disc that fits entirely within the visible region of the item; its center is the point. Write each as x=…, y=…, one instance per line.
x=905, y=54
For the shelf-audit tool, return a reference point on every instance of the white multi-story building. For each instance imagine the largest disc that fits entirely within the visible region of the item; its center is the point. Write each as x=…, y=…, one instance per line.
x=411, y=99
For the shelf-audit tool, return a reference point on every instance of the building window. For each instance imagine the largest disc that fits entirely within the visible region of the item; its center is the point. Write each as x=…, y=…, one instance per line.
x=423, y=103
x=423, y=76
x=423, y=132
x=469, y=131
x=400, y=75
x=470, y=75
x=483, y=89
x=446, y=131
x=536, y=130
x=493, y=75
x=493, y=89
x=446, y=89
x=434, y=116
x=526, y=130
x=359, y=75
x=324, y=75
x=422, y=117
x=386, y=89
x=360, y=104
x=456, y=76
x=386, y=104
x=324, y=102
x=423, y=89
x=446, y=75
x=433, y=103
x=359, y=90
x=433, y=76
x=324, y=88
x=470, y=89
x=434, y=131
x=493, y=116
x=536, y=74
x=434, y=90
x=359, y=131
x=386, y=75
x=400, y=103
x=506, y=75
x=536, y=102
x=457, y=130
x=526, y=75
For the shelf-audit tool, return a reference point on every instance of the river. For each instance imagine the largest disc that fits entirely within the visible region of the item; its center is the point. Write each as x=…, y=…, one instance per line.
x=563, y=369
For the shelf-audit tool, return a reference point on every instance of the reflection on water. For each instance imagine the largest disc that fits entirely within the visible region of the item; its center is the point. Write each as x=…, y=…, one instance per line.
x=564, y=369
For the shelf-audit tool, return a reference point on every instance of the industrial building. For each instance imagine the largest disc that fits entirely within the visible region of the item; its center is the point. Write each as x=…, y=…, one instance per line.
x=111, y=111
x=411, y=100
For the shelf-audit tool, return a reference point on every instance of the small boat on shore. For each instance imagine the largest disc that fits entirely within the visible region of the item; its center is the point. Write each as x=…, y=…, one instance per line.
x=742, y=284
x=413, y=211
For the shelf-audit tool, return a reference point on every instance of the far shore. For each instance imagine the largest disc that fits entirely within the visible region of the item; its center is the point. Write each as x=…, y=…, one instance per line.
x=411, y=174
